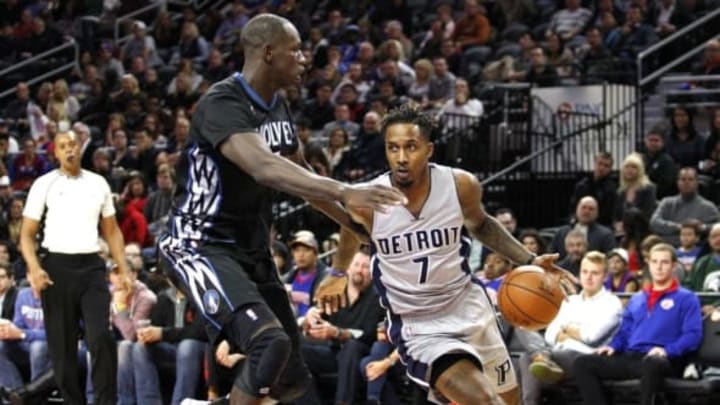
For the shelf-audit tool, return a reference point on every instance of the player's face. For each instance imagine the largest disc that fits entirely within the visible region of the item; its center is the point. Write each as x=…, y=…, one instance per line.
x=67, y=151
x=592, y=276
x=286, y=58
x=407, y=153
x=661, y=266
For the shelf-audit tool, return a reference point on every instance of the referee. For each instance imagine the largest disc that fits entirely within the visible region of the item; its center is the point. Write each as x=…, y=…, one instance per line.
x=71, y=277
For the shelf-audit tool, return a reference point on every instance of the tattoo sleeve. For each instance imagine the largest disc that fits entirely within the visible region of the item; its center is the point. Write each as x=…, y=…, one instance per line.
x=492, y=234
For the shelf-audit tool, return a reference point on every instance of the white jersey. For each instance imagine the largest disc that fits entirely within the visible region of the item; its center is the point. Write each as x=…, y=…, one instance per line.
x=420, y=265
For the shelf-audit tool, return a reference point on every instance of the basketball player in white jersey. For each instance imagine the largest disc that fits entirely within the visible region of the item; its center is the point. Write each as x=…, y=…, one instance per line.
x=439, y=316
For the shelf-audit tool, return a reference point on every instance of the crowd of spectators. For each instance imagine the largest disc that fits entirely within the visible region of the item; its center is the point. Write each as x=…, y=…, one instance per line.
x=131, y=104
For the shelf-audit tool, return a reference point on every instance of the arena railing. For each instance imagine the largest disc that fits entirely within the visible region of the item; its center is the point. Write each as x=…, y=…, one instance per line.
x=690, y=90
x=47, y=56
x=677, y=48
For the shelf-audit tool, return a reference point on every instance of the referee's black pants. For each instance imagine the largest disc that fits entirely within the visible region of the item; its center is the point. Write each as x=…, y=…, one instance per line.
x=80, y=294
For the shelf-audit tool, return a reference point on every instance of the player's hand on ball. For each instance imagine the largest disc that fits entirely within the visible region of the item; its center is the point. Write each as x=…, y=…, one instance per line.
x=330, y=294
x=557, y=274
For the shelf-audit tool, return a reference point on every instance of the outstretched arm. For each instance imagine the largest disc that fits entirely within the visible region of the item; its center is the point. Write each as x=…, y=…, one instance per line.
x=332, y=209
x=249, y=152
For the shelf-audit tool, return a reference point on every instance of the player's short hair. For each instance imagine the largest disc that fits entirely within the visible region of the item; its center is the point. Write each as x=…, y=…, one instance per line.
x=263, y=29
x=665, y=247
x=410, y=114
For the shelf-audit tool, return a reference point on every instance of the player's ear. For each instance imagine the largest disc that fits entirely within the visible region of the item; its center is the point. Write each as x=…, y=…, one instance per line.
x=431, y=149
x=267, y=53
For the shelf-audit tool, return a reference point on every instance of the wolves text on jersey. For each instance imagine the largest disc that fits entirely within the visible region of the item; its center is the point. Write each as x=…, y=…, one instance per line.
x=277, y=134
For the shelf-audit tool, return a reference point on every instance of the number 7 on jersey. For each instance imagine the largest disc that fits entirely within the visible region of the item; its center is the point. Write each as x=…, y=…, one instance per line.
x=423, y=268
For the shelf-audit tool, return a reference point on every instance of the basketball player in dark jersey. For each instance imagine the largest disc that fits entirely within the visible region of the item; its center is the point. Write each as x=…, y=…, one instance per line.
x=217, y=245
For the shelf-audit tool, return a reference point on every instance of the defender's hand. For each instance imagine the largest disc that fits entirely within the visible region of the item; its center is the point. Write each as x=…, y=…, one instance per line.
x=330, y=294
x=557, y=274
x=376, y=197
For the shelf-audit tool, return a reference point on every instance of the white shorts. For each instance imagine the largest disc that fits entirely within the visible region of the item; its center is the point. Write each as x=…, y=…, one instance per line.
x=470, y=326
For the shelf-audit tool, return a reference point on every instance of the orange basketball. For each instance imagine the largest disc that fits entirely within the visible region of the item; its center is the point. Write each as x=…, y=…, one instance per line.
x=524, y=300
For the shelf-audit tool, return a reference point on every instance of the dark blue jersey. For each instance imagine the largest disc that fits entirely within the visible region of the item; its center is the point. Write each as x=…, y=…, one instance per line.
x=216, y=201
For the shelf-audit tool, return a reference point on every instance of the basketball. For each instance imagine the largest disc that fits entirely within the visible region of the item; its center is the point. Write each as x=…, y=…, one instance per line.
x=525, y=302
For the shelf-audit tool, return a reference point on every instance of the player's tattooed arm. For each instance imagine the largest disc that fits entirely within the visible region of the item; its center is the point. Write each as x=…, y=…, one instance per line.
x=484, y=227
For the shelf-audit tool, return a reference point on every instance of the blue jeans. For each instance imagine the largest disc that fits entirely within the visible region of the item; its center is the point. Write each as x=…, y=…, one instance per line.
x=184, y=358
x=377, y=389
x=125, y=375
x=14, y=353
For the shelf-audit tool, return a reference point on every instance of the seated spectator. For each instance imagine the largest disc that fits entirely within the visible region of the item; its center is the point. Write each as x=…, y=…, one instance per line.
x=599, y=237
x=129, y=90
x=705, y=273
x=216, y=69
x=585, y=321
x=473, y=27
x=23, y=341
x=636, y=227
x=619, y=277
x=307, y=273
x=366, y=154
x=229, y=30
x=633, y=36
x=540, y=73
x=11, y=231
x=685, y=145
x=418, y=90
x=166, y=33
x=660, y=327
x=671, y=17
x=319, y=109
x=133, y=201
x=65, y=105
x=560, y=55
x=181, y=93
x=599, y=185
x=710, y=63
x=441, y=87
x=129, y=311
x=336, y=344
x=16, y=111
x=635, y=191
x=576, y=245
x=710, y=165
x=338, y=145
x=27, y=166
x=8, y=291
x=141, y=44
x=493, y=274
x=281, y=258
x=42, y=39
x=382, y=371
x=174, y=343
x=192, y=46
x=343, y=121
x=688, y=250
x=531, y=239
x=660, y=166
x=569, y=21
x=159, y=201
x=687, y=205
x=594, y=58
